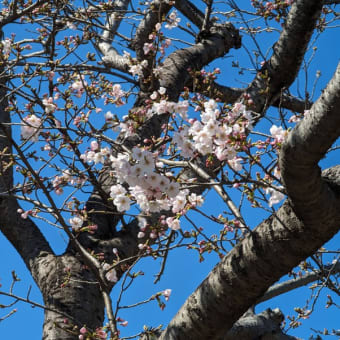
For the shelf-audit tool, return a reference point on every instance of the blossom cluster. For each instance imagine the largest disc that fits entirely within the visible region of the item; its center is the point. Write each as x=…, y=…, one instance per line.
x=172, y=20
x=213, y=134
x=152, y=189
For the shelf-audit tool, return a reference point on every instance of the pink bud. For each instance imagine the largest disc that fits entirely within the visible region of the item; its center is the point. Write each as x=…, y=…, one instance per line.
x=83, y=330
x=94, y=145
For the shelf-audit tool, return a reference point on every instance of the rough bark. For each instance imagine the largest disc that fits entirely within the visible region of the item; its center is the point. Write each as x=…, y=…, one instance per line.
x=266, y=325
x=279, y=72
x=77, y=296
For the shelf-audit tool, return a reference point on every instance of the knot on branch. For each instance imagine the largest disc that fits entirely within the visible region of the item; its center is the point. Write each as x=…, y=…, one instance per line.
x=332, y=177
x=227, y=32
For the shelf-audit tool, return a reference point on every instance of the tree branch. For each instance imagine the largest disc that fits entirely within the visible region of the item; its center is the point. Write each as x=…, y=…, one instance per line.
x=251, y=327
x=232, y=94
x=300, y=154
x=22, y=233
x=158, y=10
x=287, y=286
x=190, y=11
x=175, y=70
x=281, y=69
x=110, y=55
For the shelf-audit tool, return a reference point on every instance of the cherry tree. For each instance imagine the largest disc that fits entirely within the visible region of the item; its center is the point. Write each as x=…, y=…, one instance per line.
x=119, y=121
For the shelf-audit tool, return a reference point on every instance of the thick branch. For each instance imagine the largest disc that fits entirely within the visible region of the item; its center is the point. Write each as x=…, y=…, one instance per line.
x=22, y=233
x=280, y=70
x=275, y=247
x=300, y=154
x=175, y=70
x=251, y=327
x=232, y=94
x=110, y=55
x=158, y=10
x=190, y=11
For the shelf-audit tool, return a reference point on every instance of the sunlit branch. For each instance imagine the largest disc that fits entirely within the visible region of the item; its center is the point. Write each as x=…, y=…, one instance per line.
x=110, y=55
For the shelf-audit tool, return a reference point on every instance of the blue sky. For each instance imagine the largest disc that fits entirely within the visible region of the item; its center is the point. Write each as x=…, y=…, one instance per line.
x=184, y=272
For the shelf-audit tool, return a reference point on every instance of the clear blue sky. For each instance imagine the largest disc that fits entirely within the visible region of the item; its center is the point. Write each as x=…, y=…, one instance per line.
x=184, y=272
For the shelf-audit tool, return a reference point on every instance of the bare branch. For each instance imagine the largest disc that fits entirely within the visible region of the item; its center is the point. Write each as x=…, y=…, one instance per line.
x=287, y=286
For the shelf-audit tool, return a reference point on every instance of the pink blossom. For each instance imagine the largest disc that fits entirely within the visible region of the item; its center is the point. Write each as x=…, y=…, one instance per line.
x=173, y=224
x=76, y=222
x=94, y=145
x=50, y=107
x=83, y=330
x=100, y=333
x=111, y=274
x=278, y=133
x=6, y=46
x=50, y=75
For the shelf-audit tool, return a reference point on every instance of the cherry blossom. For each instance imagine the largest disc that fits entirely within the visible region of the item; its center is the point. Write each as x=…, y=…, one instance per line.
x=278, y=133
x=166, y=294
x=173, y=223
x=122, y=203
x=76, y=222
x=6, y=46
x=137, y=69
x=111, y=274
x=50, y=107
x=172, y=20
x=30, y=128
x=275, y=196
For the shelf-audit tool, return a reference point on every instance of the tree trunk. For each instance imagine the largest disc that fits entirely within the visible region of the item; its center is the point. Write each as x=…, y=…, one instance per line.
x=69, y=288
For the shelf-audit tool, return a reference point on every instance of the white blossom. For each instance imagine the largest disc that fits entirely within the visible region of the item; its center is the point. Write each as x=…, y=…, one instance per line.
x=275, y=196
x=76, y=222
x=30, y=128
